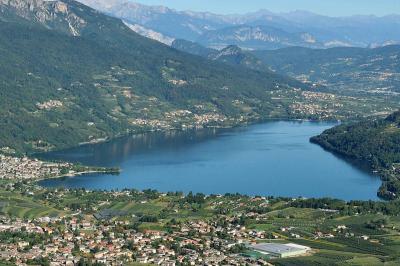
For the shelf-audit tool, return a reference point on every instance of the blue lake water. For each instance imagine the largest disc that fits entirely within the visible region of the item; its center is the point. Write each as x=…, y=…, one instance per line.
x=273, y=158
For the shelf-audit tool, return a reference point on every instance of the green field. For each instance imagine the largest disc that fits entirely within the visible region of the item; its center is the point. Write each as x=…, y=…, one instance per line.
x=24, y=207
x=150, y=210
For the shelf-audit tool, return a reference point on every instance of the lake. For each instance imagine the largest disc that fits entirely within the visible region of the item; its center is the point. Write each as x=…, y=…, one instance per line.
x=273, y=158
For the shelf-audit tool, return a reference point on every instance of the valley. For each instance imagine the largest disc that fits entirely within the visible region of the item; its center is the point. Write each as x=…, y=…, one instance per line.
x=130, y=84
x=351, y=71
x=143, y=135
x=344, y=71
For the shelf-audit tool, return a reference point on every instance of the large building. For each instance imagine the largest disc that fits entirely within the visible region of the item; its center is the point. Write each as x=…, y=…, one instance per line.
x=281, y=250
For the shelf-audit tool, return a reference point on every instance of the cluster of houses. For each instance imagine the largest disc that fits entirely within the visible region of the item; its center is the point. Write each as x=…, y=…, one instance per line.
x=311, y=109
x=27, y=168
x=112, y=237
x=60, y=247
x=205, y=119
x=51, y=104
x=183, y=117
x=68, y=240
x=155, y=124
x=313, y=95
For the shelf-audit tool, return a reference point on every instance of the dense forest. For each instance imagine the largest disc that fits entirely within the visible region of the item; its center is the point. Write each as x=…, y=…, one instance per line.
x=375, y=141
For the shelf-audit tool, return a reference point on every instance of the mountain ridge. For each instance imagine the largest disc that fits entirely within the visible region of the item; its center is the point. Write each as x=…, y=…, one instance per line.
x=231, y=54
x=359, y=31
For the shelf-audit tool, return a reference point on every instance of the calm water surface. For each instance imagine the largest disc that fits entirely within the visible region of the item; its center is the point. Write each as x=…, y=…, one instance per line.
x=274, y=158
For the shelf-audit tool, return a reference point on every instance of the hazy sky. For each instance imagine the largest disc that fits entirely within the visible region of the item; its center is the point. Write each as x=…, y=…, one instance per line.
x=325, y=7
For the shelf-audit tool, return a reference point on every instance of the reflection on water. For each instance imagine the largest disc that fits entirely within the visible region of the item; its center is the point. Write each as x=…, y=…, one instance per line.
x=120, y=149
x=274, y=158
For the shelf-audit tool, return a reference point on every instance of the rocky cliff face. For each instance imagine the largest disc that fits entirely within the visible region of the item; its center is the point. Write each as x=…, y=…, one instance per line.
x=150, y=33
x=160, y=19
x=52, y=14
x=257, y=37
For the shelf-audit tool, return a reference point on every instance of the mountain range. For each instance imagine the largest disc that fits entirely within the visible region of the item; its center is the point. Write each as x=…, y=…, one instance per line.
x=258, y=30
x=71, y=75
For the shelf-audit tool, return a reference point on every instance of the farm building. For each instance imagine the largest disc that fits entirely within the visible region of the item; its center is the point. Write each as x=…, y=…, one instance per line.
x=281, y=250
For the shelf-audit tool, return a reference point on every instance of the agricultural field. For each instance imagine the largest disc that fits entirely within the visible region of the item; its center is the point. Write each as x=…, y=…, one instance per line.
x=341, y=233
x=23, y=207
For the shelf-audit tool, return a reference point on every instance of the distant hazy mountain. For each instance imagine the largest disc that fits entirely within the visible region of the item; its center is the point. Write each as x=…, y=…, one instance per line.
x=256, y=37
x=257, y=30
x=150, y=33
x=179, y=25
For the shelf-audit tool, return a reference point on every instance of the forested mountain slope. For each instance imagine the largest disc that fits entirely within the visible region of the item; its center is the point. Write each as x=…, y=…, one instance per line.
x=376, y=142
x=232, y=55
x=71, y=75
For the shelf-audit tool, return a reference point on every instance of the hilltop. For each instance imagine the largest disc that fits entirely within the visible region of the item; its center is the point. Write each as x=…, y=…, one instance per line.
x=231, y=54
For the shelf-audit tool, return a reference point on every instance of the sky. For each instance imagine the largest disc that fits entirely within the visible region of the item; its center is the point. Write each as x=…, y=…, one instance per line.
x=323, y=7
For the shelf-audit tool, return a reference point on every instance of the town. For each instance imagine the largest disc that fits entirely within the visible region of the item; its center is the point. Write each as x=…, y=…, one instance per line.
x=50, y=226
x=25, y=168
x=117, y=242
x=209, y=133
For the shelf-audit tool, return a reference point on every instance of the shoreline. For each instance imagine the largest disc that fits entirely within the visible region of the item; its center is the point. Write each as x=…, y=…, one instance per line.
x=239, y=125
x=379, y=172
x=105, y=171
x=296, y=123
x=106, y=140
